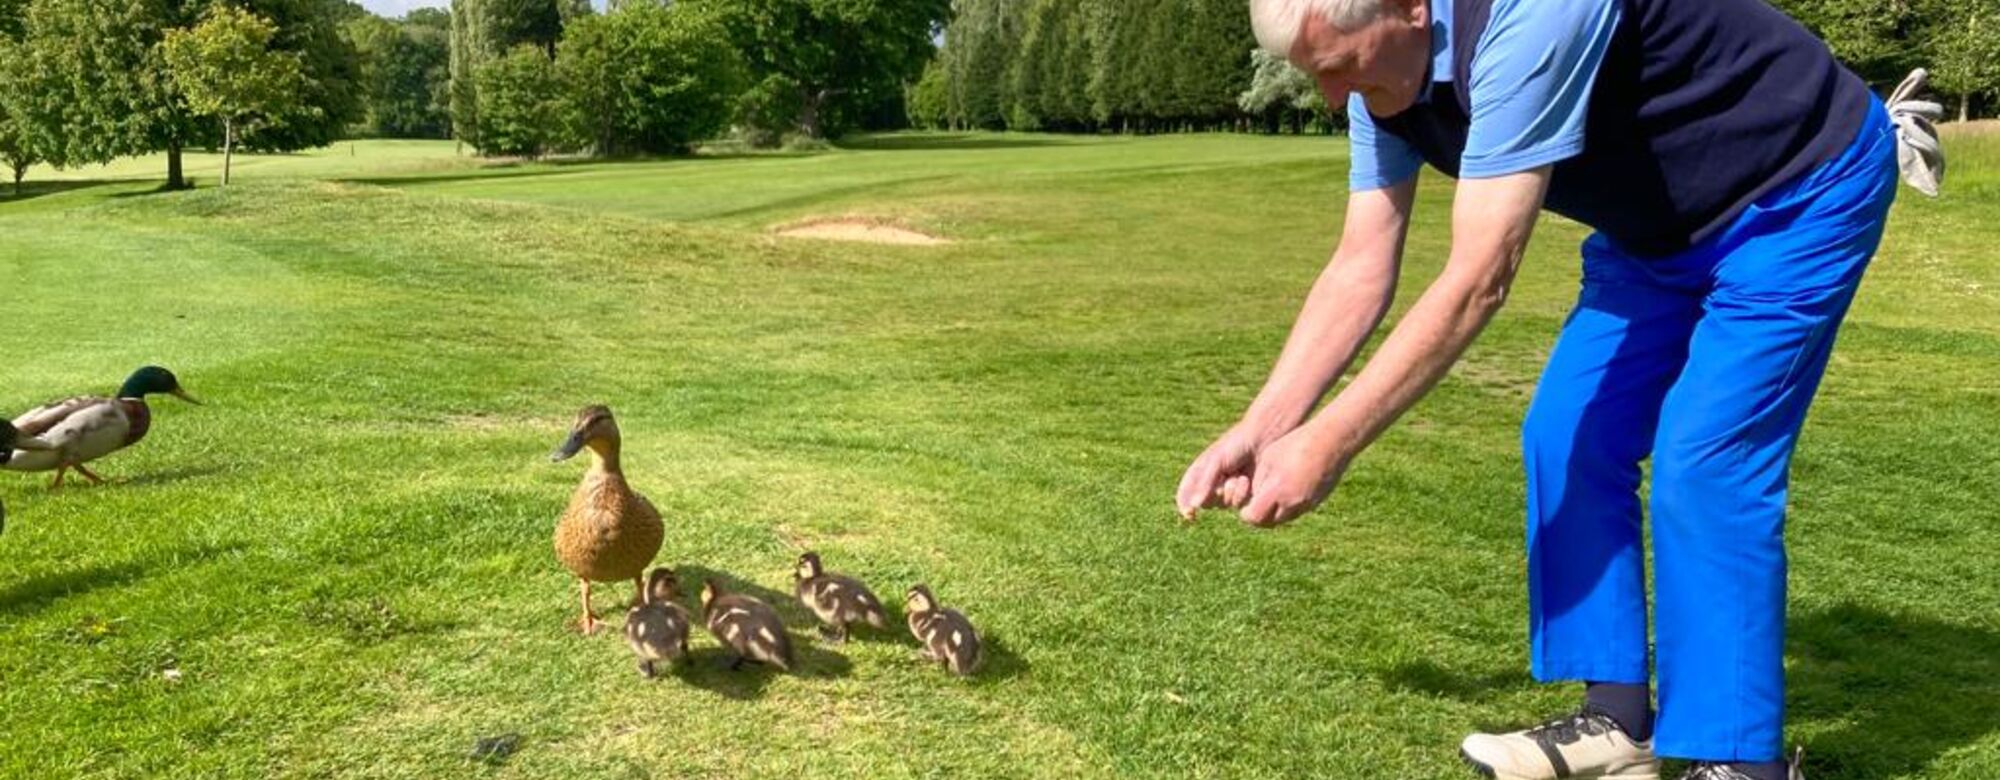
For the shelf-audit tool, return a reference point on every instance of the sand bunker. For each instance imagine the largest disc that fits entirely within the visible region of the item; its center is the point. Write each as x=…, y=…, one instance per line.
x=860, y=230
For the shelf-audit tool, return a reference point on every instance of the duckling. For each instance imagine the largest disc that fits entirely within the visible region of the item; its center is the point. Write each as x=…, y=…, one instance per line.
x=658, y=629
x=836, y=599
x=609, y=532
x=750, y=628
x=947, y=636
x=82, y=429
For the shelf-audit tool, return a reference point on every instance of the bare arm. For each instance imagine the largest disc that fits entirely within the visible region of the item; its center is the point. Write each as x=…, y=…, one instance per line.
x=1343, y=309
x=1492, y=220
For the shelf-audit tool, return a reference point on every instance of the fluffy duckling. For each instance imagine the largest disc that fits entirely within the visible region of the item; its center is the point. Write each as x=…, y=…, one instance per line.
x=839, y=601
x=750, y=628
x=609, y=533
x=658, y=629
x=75, y=431
x=947, y=636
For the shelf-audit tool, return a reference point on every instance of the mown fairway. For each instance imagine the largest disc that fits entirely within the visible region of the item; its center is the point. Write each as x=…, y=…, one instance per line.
x=345, y=555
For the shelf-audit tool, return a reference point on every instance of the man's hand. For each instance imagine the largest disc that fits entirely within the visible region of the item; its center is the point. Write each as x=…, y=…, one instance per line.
x=1221, y=476
x=1294, y=474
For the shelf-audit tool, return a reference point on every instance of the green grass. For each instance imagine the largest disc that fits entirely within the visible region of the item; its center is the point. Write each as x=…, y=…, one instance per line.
x=346, y=553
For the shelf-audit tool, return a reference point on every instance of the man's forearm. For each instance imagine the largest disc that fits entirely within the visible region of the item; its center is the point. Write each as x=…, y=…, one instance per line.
x=1492, y=220
x=1343, y=309
x=1418, y=353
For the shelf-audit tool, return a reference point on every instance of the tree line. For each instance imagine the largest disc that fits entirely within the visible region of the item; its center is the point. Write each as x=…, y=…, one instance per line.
x=1170, y=65
x=86, y=81
x=532, y=76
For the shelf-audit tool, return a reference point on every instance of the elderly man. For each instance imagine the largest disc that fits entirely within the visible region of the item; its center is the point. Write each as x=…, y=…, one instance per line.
x=1737, y=178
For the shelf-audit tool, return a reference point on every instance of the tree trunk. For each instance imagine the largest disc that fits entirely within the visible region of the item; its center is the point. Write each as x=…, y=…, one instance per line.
x=228, y=144
x=19, y=171
x=174, y=179
x=1964, y=106
x=809, y=109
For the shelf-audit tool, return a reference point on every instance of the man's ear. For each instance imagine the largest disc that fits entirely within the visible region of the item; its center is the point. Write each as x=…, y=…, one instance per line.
x=1416, y=13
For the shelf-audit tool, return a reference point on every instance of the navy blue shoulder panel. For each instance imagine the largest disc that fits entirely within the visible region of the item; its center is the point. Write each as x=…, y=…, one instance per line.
x=1699, y=109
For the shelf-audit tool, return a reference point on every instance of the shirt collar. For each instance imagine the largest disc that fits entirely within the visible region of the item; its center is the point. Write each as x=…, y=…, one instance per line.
x=1441, y=63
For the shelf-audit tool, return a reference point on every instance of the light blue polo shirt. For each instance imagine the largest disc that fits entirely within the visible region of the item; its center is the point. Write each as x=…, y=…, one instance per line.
x=1530, y=89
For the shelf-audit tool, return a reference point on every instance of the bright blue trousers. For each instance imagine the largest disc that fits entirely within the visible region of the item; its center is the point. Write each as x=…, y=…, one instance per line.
x=1706, y=361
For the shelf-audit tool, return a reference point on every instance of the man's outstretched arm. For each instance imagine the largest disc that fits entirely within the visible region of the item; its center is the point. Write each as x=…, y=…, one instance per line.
x=1343, y=309
x=1492, y=220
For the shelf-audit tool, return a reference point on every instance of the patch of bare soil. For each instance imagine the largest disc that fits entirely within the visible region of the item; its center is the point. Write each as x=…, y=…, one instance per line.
x=859, y=229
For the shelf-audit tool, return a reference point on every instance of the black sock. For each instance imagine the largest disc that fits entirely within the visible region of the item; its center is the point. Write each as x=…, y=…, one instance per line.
x=1761, y=770
x=1630, y=705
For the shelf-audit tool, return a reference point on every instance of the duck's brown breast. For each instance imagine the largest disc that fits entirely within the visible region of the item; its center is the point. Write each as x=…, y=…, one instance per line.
x=609, y=533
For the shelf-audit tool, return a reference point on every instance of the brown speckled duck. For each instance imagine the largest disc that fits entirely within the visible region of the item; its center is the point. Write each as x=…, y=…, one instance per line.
x=947, y=636
x=838, y=601
x=609, y=533
x=658, y=629
x=75, y=431
x=747, y=627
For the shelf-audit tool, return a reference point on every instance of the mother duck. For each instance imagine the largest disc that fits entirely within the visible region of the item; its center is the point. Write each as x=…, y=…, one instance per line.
x=609, y=533
x=82, y=429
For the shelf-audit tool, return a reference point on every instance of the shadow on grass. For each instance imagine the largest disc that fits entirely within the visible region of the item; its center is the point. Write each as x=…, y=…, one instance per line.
x=167, y=477
x=945, y=142
x=1001, y=663
x=163, y=188
x=36, y=189
x=1426, y=677
x=35, y=594
x=817, y=197
x=1904, y=690
x=487, y=173
x=707, y=669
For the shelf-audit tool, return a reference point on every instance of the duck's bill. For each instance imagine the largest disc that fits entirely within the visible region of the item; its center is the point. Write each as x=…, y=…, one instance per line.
x=569, y=448
x=183, y=395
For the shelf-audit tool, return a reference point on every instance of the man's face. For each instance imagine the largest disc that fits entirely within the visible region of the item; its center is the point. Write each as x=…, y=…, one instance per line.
x=1385, y=59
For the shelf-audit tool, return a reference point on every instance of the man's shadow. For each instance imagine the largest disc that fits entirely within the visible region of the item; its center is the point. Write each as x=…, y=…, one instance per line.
x=1906, y=689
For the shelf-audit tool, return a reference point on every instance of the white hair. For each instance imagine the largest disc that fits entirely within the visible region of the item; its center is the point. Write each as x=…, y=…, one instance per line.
x=1277, y=22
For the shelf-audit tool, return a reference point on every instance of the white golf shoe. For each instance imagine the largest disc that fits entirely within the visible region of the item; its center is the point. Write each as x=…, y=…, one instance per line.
x=1588, y=745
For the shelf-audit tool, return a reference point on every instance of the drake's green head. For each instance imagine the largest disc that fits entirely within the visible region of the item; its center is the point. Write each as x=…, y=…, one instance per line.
x=154, y=379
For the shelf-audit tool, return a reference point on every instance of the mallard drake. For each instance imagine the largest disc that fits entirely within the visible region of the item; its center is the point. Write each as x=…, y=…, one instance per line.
x=837, y=600
x=947, y=636
x=658, y=629
x=609, y=533
x=82, y=429
x=750, y=628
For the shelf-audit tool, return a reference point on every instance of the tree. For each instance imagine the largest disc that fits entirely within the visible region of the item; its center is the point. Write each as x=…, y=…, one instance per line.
x=929, y=100
x=819, y=65
x=100, y=88
x=483, y=31
x=16, y=152
x=520, y=103
x=648, y=78
x=1280, y=93
x=226, y=70
x=405, y=73
x=1965, y=56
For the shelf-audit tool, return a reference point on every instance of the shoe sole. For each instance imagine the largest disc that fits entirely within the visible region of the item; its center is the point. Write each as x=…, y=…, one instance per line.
x=1487, y=771
x=1482, y=769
